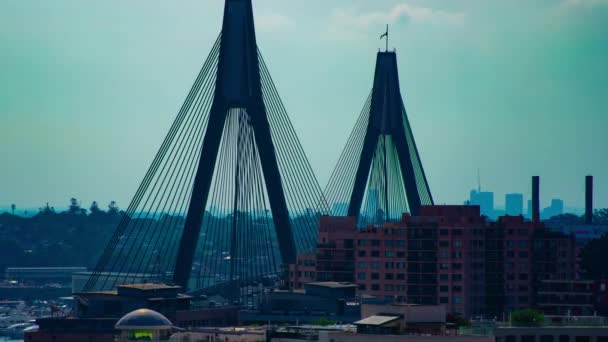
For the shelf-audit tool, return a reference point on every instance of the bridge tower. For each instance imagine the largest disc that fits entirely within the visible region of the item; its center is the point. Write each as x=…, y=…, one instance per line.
x=230, y=186
x=379, y=175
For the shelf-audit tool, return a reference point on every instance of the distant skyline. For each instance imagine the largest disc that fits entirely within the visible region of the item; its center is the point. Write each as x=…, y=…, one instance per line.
x=512, y=88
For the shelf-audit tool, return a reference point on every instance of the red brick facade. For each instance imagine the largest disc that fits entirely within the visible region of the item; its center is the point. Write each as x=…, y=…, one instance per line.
x=447, y=255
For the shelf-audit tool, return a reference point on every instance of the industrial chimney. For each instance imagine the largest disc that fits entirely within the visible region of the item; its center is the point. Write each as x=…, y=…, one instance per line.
x=589, y=200
x=535, y=198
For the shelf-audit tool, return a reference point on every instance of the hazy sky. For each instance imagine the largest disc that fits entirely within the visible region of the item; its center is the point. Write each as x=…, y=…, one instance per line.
x=88, y=89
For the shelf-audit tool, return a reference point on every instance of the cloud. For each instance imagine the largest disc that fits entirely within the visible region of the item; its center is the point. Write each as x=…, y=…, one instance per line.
x=351, y=24
x=273, y=22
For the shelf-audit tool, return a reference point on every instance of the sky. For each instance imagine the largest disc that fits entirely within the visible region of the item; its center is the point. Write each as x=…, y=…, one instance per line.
x=88, y=89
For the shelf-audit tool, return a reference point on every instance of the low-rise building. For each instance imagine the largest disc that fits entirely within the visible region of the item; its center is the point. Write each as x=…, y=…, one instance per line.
x=556, y=329
x=394, y=319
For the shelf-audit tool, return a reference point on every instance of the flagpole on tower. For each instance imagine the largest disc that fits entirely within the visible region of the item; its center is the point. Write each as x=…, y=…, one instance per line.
x=386, y=38
x=385, y=34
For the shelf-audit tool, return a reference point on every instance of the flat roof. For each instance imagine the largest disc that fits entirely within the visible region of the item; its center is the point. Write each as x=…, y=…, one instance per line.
x=333, y=284
x=146, y=287
x=377, y=320
x=68, y=268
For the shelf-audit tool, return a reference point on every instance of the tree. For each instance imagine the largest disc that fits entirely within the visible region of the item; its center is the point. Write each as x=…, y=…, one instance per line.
x=113, y=208
x=13, y=207
x=95, y=208
x=459, y=321
x=47, y=209
x=323, y=322
x=593, y=258
x=74, y=206
x=600, y=216
x=527, y=317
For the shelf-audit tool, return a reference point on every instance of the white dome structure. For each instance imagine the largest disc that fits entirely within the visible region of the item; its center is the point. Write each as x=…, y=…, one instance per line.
x=144, y=325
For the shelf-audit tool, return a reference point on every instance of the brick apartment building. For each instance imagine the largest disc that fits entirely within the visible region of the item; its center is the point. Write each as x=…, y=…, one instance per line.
x=446, y=255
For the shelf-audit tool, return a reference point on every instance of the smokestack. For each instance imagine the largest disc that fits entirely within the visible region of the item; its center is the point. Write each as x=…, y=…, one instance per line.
x=589, y=200
x=535, y=198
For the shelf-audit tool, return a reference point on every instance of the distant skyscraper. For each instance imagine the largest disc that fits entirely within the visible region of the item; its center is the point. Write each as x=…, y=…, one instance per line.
x=556, y=208
x=514, y=204
x=485, y=201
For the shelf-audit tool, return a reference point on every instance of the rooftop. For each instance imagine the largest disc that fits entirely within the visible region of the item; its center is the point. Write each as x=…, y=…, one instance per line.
x=149, y=287
x=143, y=318
x=377, y=320
x=334, y=285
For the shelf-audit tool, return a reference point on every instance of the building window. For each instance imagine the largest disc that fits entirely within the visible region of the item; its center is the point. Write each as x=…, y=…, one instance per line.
x=523, y=244
x=457, y=243
x=389, y=254
x=401, y=243
x=457, y=255
x=443, y=288
x=457, y=288
x=361, y=253
x=457, y=232
x=389, y=265
x=375, y=287
x=361, y=275
x=444, y=266
x=444, y=255
x=388, y=243
x=457, y=277
x=361, y=242
x=375, y=254
x=522, y=276
x=444, y=244
x=444, y=232
x=523, y=254
x=348, y=244
x=375, y=242
x=443, y=300
x=389, y=287
x=375, y=276
x=457, y=266
x=457, y=300
x=361, y=265
x=400, y=276
x=375, y=265
x=400, y=254
x=444, y=277
x=388, y=276
x=400, y=265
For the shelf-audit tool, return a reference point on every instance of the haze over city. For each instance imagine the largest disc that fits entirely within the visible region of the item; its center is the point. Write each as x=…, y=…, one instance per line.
x=512, y=88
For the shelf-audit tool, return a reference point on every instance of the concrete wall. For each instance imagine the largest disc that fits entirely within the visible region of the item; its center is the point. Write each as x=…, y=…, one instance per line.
x=217, y=336
x=350, y=337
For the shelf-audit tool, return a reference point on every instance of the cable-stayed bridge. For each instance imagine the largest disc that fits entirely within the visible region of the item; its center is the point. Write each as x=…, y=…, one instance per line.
x=230, y=195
